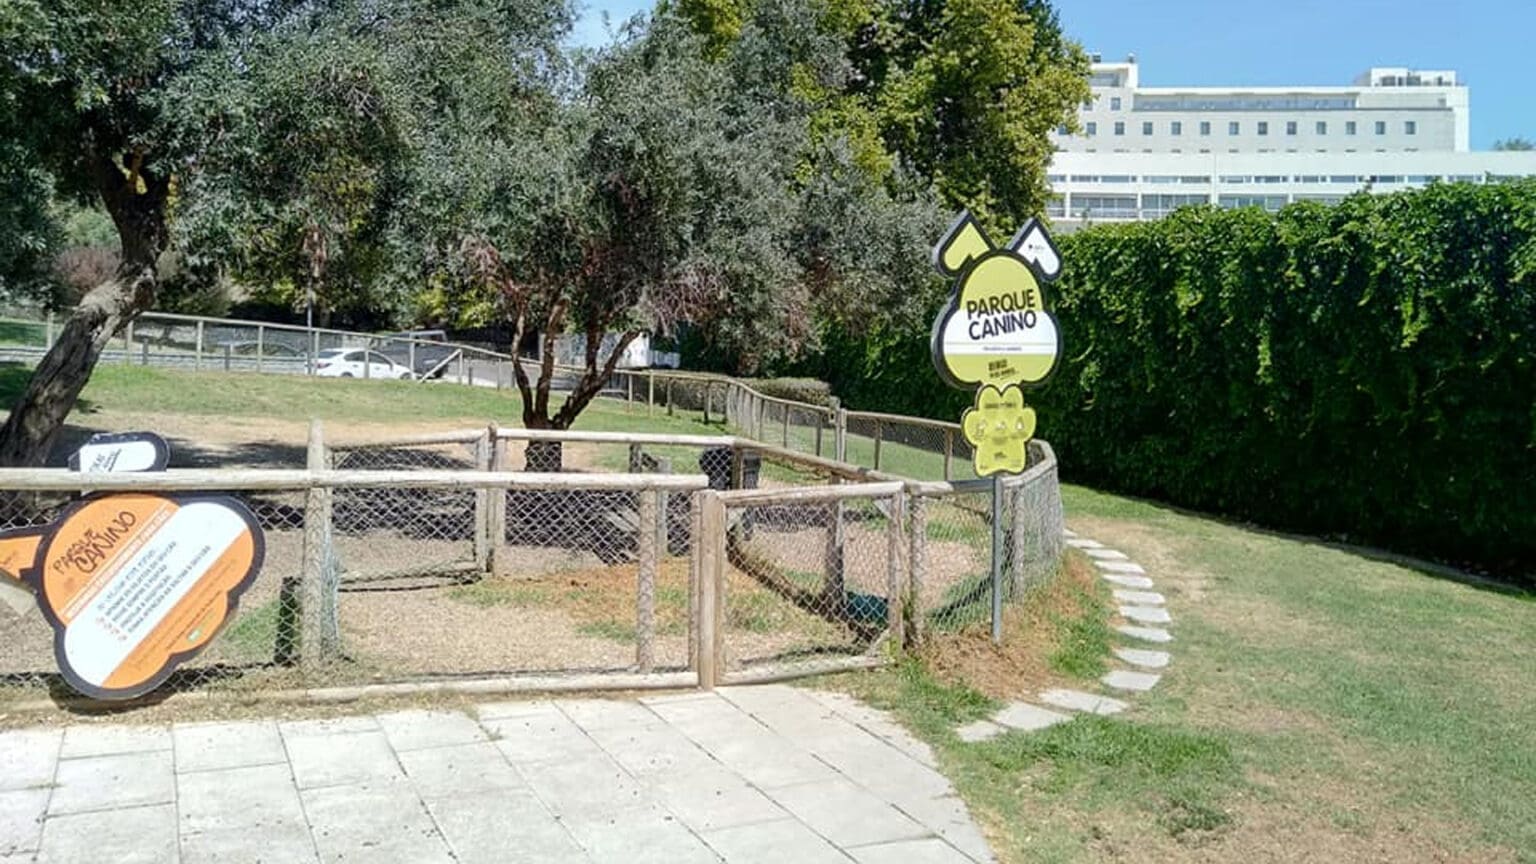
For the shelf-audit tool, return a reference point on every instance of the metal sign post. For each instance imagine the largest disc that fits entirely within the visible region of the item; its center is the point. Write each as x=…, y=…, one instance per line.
x=995, y=335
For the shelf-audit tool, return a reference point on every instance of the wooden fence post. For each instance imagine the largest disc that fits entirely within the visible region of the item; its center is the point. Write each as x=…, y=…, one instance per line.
x=917, y=558
x=710, y=552
x=650, y=393
x=496, y=522
x=708, y=389
x=877, y=443
x=949, y=453
x=834, y=590
x=48, y=332
x=197, y=351
x=316, y=590
x=261, y=344
x=482, y=541
x=671, y=409
x=128, y=344
x=645, y=585
x=896, y=594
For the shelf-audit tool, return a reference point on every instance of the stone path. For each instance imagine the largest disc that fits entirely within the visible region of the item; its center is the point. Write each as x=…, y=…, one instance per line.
x=1138, y=604
x=741, y=775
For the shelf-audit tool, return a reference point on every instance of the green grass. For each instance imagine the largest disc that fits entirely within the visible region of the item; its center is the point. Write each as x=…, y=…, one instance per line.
x=150, y=390
x=22, y=333
x=1320, y=700
x=1085, y=639
x=254, y=632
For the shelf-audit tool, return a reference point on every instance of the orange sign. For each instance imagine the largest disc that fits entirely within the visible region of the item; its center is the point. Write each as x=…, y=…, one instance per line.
x=135, y=584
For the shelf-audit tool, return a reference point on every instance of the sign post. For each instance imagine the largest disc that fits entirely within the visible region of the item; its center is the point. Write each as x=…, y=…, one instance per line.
x=996, y=336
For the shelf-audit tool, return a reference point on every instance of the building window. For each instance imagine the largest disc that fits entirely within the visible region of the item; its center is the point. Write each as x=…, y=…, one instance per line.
x=1410, y=127
x=1381, y=127
x=1205, y=127
x=1114, y=103
x=1322, y=127
x=1263, y=128
x=1146, y=127
x=1233, y=127
x=1091, y=128
x=1349, y=127
x=1290, y=127
x=1119, y=127
x=1176, y=128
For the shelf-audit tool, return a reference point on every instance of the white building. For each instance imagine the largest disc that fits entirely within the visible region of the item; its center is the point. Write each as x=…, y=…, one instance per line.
x=1141, y=151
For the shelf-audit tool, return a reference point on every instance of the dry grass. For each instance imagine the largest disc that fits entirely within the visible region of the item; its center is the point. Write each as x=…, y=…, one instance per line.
x=1034, y=630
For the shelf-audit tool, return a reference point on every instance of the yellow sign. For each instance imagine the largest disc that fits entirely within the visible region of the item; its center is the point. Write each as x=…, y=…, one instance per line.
x=998, y=428
x=995, y=334
x=995, y=329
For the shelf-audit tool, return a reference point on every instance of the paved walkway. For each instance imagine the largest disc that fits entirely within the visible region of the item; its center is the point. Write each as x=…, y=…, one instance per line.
x=747, y=774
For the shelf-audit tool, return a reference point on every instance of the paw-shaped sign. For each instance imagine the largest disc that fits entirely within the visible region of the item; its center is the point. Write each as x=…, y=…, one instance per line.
x=135, y=584
x=995, y=329
x=998, y=428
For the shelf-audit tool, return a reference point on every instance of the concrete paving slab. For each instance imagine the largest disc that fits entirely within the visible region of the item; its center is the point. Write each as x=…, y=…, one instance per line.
x=21, y=819
x=715, y=798
x=373, y=823
x=1146, y=614
x=645, y=835
x=1105, y=554
x=765, y=758
x=593, y=714
x=1136, y=682
x=652, y=751
x=877, y=723
x=1127, y=581
x=1022, y=715
x=1143, y=658
x=931, y=850
x=947, y=817
x=773, y=843
x=546, y=736
x=460, y=770
x=215, y=746
x=329, y=726
x=343, y=759
x=233, y=799
x=486, y=829
x=1145, y=634
x=418, y=730
x=1068, y=532
x=1084, y=543
x=1120, y=567
x=587, y=787
x=517, y=708
x=131, y=835
x=846, y=814
x=1076, y=700
x=112, y=782
x=1140, y=598
x=101, y=740
x=979, y=730
x=28, y=757
x=288, y=843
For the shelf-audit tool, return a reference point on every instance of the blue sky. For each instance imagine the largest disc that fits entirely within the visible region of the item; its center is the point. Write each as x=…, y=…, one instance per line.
x=1490, y=43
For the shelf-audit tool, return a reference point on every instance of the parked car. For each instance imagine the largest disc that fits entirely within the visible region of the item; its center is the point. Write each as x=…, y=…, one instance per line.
x=427, y=358
x=358, y=363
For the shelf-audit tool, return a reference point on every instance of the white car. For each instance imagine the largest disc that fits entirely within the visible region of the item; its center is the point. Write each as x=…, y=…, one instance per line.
x=358, y=363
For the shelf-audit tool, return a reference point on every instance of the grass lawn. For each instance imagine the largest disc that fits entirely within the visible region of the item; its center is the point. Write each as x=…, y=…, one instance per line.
x=140, y=390
x=1321, y=706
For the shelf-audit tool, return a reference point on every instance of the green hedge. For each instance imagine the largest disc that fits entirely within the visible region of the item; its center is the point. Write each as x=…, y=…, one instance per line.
x=1365, y=370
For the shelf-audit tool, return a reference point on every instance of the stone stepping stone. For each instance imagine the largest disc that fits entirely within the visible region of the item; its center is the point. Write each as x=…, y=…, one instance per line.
x=1142, y=598
x=1068, y=532
x=1136, y=682
x=1022, y=715
x=1146, y=614
x=1084, y=543
x=1127, y=581
x=1077, y=700
x=1145, y=634
x=981, y=730
x=1120, y=567
x=1105, y=554
x=1143, y=658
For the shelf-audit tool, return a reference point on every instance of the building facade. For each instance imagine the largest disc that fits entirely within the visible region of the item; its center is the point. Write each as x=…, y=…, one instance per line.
x=1140, y=152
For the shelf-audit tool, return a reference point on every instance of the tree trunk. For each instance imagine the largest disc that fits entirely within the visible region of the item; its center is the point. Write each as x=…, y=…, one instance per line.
x=136, y=201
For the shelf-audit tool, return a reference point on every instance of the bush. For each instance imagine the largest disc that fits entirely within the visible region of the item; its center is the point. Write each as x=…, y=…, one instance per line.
x=796, y=389
x=1366, y=370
